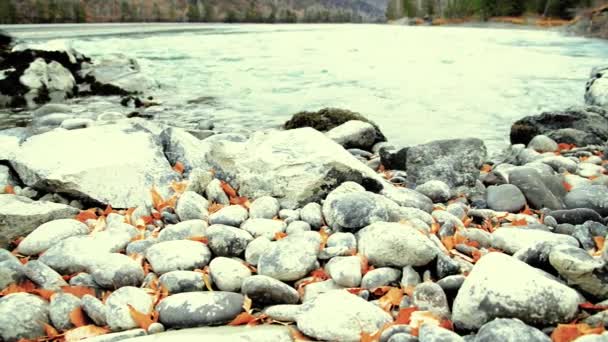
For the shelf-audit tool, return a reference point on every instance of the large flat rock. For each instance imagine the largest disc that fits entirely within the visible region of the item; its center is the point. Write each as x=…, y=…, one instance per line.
x=114, y=164
x=245, y=333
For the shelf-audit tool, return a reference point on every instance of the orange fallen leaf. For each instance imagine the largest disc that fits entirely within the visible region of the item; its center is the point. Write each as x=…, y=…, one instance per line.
x=9, y=190
x=565, y=147
x=83, y=216
x=157, y=199
x=570, y=332
x=243, y=201
x=50, y=331
x=12, y=288
x=364, y=265
x=476, y=255
x=435, y=227
x=279, y=236
x=527, y=211
x=179, y=168
x=85, y=332
x=228, y=189
x=320, y=274
x=599, y=242
x=448, y=242
x=324, y=236
x=78, y=291
x=391, y=299
x=297, y=335
x=466, y=221
x=46, y=294
x=486, y=168
x=242, y=319
x=447, y=324
x=355, y=290
x=77, y=317
x=567, y=186
x=179, y=187
x=201, y=239
x=405, y=315
x=214, y=207
x=141, y=319
x=519, y=222
x=367, y=337
x=591, y=306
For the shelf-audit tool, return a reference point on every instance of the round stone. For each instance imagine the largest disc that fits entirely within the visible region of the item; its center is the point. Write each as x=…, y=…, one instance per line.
x=256, y=248
x=183, y=230
x=312, y=214
x=233, y=215
x=264, y=207
x=182, y=281
x=62, y=305
x=269, y=291
x=264, y=227
x=227, y=241
x=22, y=316
x=178, y=255
x=48, y=234
x=118, y=314
x=228, y=274
x=194, y=309
x=436, y=190
x=506, y=197
x=291, y=258
x=192, y=206
x=117, y=270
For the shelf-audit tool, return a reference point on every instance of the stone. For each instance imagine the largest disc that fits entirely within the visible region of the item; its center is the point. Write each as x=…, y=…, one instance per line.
x=48, y=234
x=436, y=190
x=574, y=136
x=312, y=214
x=274, y=333
x=183, y=230
x=227, y=241
x=345, y=270
x=340, y=316
x=430, y=297
x=492, y=291
x=455, y=162
x=123, y=181
x=587, y=119
x=432, y=333
x=192, y=206
x=592, y=197
x=116, y=270
x=118, y=336
x=559, y=163
x=354, y=134
x=264, y=227
x=506, y=197
x=534, y=188
x=409, y=198
x=60, y=308
x=256, y=248
x=178, y=255
x=509, y=330
x=198, y=180
x=580, y=269
x=512, y=240
x=119, y=72
x=50, y=78
x=118, y=313
x=19, y=216
x=181, y=146
x=194, y=309
x=156, y=328
x=285, y=165
x=44, y=276
x=382, y=276
x=354, y=210
x=269, y=291
x=394, y=244
x=11, y=269
x=83, y=279
x=182, y=281
x=297, y=227
x=22, y=316
x=265, y=207
x=290, y=258
x=313, y=290
x=283, y=312
x=542, y=143
x=95, y=309
x=233, y=215
x=228, y=274
x=596, y=89
x=289, y=215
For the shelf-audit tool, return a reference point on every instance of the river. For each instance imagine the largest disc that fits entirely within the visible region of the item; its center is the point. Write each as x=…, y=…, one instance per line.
x=418, y=83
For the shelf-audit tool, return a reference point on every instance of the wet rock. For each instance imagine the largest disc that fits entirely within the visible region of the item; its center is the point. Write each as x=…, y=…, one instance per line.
x=181, y=146
x=559, y=163
x=228, y=274
x=233, y=215
x=531, y=183
x=446, y=266
x=44, y=276
x=431, y=297
x=311, y=214
x=182, y=281
x=393, y=244
x=455, y=162
x=11, y=269
x=115, y=270
x=183, y=230
x=575, y=216
x=340, y=316
x=227, y=240
x=437, y=191
x=410, y=277
x=265, y=207
x=22, y=316
x=536, y=254
x=574, y=137
x=50, y=233
x=542, y=143
x=382, y=276
x=291, y=258
x=178, y=255
x=95, y=309
x=62, y=304
x=192, y=206
x=433, y=333
x=580, y=269
x=194, y=309
x=593, y=197
x=264, y=227
x=509, y=330
x=256, y=248
x=345, y=271
x=269, y=291
x=512, y=240
x=586, y=119
x=506, y=197
x=118, y=313
x=489, y=292
x=19, y=216
x=83, y=279
x=121, y=73
x=354, y=134
x=409, y=198
x=354, y=210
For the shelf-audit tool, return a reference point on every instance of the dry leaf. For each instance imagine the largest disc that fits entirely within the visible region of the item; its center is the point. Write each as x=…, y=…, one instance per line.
x=519, y=222
x=447, y=324
x=242, y=319
x=46, y=294
x=280, y=235
x=141, y=319
x=77, y=317
x=201, y=239
x=367, y=337
x=108, y=210
x=570, y=332
x=486, y=168
x=50, y=331
x=179, y=168
x=565, y=147
x=297, y=335
x=157, y=199
x=247, y=304
x=78, y=291
x=567, y=186
x=83, y=216
x=243, y=201
x=391, y=298
x=527, y=211
x=319, y=274
x=85, y=332
x=179, y=187
x=214, y=207
x=591, y=306
x=228, y=189
x=599, y=242
x=324, y=236
x=364, y=264
x=9, y=190
x=405, y=315
x=448, y=242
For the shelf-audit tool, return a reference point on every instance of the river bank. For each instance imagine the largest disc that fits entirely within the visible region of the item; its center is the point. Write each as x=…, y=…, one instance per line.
x=117, y=227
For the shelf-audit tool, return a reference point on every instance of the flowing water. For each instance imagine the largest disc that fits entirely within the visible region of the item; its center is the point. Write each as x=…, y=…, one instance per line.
x=418, y=83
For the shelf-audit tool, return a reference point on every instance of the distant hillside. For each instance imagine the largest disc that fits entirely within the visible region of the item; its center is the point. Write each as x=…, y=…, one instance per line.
x=270, y=11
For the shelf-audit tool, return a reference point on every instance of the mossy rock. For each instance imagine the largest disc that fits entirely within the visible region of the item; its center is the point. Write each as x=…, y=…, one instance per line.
x=328, y=118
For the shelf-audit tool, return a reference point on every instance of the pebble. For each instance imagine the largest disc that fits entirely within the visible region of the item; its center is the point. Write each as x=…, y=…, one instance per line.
x=215, y=194
x=542, y=143
x=345, y=271
x=297, y=227
x=283, y=312
x=436, y=190
x=506, y=197
x=118, y=336
x=451, y=284
x=11, y=269
x=195, y=309
x=396, y=329
x=118, y=314
x=312, y=214
x=432, y=333
x=95, y=309
x=537, y=193
x=198, y=180
x=291, y=258
x=354, y=210
x=44, y=276
x=48, y=234
x=410, y=277
x=591, y=197
x=228, y=274
x=192, y=206
x=511, y=240
x=382, y=276
x=510, y=330
x=233, y=215
x=431, y=297
x=264, y=207
x=22, y=316
x=140, y=246
x=256, y=248
x=115, y=270
x=178, y=255
x=269, y=291
x=289, y=215
x=83, y=279
x=182, y=281
x=409, y=198
x=312, y=291
x=60, y=308
x=183, y=230
x=264, y=227
x=227, y=241
x=580, y=269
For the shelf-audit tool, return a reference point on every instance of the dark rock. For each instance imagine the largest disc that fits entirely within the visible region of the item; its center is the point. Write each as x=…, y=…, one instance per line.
x=194, y=309
x=592, y=197
x=392, y=158
x=291, y=258
x=574, y=137
x=182, y=281
x=506, y=197
x=227, y=240
x=533, y=186
x=62, y=305
x=587, y=119
x=269, y=291
x=509, y=330
x=429, y=296
x=455, y=162
x=22, y=316
x=575, y=216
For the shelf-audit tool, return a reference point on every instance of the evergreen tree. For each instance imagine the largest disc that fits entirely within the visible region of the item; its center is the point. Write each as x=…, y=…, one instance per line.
x=156, y=13
x=8, y=12
x=231, y=17
x=209, y=11
x=194, y=14
x=126, y=13
x=80, y=15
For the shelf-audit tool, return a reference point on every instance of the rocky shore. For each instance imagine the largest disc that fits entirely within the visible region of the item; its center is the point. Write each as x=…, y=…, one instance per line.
x=118, y=228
